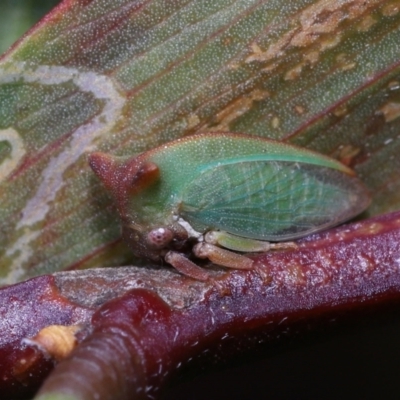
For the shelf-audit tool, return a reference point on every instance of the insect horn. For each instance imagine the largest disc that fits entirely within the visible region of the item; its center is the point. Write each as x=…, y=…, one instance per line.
x=123, y=177
x=110, y=170
x=104, y=166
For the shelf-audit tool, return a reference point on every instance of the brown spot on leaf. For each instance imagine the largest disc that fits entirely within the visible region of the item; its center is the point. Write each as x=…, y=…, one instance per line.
x=294, y=73
x=391, y=9
x=366, y=23
x=347, y=153
x=299, y=109
x=312, y=57
x=390, y=111
x=340, y=111
x=312, y=26
x=275, y=122
x=192, y=121
x=236, y=109
x=318, y=28
x=344, y=62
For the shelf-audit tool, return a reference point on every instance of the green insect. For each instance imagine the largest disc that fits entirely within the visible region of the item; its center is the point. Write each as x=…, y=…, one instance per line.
x=216, y=194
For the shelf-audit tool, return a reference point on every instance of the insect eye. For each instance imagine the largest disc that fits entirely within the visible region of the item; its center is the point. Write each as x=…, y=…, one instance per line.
x=160, y=237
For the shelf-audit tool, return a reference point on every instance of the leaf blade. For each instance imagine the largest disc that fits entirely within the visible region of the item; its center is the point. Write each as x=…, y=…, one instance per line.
x=125, y=76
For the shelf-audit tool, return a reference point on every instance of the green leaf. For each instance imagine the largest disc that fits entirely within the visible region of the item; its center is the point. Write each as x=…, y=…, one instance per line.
x=123, y=76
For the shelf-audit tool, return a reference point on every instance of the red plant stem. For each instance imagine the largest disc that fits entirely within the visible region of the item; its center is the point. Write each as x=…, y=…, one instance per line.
x=138, y=339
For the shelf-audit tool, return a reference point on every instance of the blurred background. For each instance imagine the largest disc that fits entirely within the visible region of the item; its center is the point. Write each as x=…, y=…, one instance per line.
x=17, y=16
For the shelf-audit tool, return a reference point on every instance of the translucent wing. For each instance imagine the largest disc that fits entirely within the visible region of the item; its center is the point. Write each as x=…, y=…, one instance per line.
x=271, y=200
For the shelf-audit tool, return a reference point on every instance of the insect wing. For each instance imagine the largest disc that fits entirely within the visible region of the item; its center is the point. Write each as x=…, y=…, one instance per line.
x=271, y=200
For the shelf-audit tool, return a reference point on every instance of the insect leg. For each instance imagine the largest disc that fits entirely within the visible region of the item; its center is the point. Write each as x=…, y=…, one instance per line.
x=246, y=245
x=284, y=246
x=222, y=257
x=185, y=266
